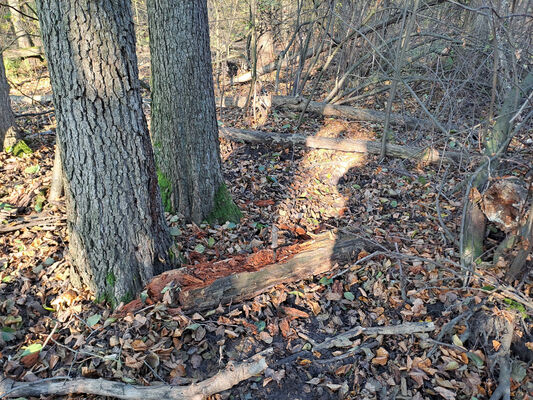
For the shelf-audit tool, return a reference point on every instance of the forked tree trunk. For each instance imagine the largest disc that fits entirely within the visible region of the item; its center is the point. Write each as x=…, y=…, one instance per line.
x=184, y=124
x=7, y=119
x=117, y=231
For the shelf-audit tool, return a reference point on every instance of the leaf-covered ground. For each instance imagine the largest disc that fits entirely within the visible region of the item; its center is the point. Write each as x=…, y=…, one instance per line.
x=49, y=329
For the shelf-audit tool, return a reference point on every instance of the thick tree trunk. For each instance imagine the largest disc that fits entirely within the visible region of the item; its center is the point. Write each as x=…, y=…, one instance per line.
x=184, y=124
x=7, y=119
x=23, y=39
x=117, y=230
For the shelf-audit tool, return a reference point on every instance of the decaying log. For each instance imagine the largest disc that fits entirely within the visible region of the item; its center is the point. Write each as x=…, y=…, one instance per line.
x=223, y=380
x=246, y=276
x=38, y=98
x=327, y=110
x=427, y=155
x=321, y=255
x=26, y=52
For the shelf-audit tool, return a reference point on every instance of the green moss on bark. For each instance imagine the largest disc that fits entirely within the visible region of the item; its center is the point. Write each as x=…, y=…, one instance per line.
x=166, y=189
x=224, y=209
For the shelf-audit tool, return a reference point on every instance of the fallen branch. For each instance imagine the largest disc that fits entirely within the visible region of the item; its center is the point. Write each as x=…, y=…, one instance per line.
x=45, y=98
x=223, y=380
x=428, y=155
x=27, y=52
x=344, y=339
x=327, y=110
x=28, y=224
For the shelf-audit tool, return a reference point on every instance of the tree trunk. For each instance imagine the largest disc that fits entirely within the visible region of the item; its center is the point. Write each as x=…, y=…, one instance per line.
x=184, y=124
x=23, y=39
x=7, y=119
x=56, y=185
x=118, y=236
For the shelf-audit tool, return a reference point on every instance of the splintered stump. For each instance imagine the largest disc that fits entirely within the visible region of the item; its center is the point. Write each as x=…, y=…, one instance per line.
x=242, y=277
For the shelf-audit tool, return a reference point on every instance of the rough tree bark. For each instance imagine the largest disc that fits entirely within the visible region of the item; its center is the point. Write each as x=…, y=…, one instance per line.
x=7, y=119
x=184, y=124
x=118, y=236
x=23, y=39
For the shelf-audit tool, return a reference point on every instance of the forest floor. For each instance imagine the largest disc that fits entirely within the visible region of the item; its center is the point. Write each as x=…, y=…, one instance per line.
x=49, y=329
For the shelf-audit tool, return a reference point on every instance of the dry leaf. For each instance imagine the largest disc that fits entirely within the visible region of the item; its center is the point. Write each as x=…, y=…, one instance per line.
x=284, y=327
x=265, y=337
x=138, y=345
x=446, y=393
x=343, y=369
x=382, y=356
x=30, y=360
x=295, y=313
x=133, y=363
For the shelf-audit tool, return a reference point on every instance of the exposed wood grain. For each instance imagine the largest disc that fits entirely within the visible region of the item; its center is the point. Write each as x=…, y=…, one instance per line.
x=319, y=257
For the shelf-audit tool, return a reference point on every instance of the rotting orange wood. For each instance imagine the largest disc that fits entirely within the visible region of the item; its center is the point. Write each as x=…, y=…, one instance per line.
x=208, y=284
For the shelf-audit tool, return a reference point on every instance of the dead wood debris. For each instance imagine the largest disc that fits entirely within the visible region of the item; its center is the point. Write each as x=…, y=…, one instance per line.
x=223, y=380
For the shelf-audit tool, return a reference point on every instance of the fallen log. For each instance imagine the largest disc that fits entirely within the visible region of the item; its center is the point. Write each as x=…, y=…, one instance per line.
x=327, y=110
x=26, y=52
x=223, y=380
x=38, y=98
x=427, y=155
x=248, y=276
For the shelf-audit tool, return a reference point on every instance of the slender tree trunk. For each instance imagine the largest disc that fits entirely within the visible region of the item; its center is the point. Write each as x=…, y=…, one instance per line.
x=118, y=236
x=184, y=125
x=56, y=185
x=7, y=119
x=23, y=39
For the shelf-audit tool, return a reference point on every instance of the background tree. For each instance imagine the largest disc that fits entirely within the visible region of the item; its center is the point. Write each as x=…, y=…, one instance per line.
x=22, y=37
x=7, y=119
x=184, y=124
x=118, y=236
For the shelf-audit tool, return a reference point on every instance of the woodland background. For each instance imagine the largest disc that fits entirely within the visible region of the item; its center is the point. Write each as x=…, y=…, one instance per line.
x=388, y=144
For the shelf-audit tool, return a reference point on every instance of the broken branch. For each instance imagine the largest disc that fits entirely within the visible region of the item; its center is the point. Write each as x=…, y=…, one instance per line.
x=223, y=380
x=427, y=155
